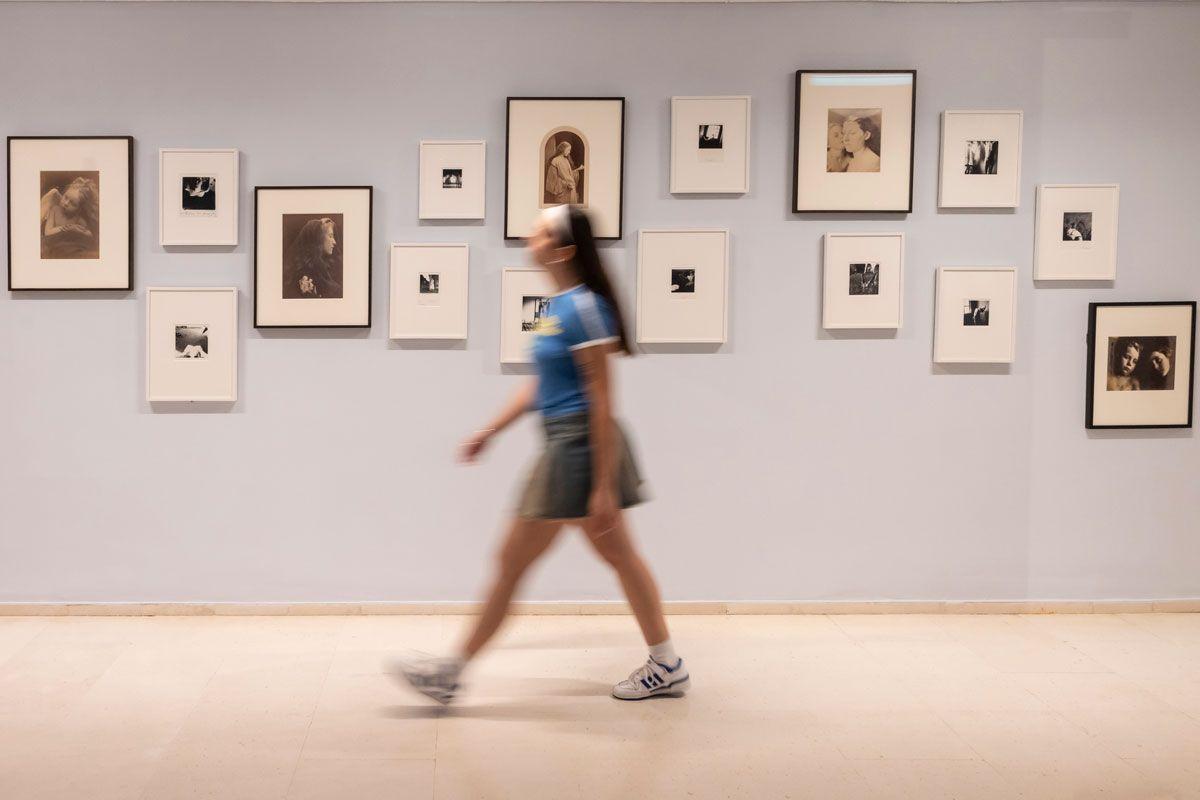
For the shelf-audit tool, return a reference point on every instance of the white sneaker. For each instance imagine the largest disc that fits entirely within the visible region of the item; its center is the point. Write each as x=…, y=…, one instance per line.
x=433, y=677
x=652, y=679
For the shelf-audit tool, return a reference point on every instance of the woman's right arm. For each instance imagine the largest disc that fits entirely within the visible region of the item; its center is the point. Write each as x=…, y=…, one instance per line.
x=520, y=402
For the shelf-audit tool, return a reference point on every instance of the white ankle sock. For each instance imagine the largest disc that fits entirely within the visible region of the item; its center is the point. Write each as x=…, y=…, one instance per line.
x=664, y=653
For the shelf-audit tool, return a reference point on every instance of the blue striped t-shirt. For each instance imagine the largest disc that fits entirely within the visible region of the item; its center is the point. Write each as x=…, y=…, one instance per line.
x=575, y=319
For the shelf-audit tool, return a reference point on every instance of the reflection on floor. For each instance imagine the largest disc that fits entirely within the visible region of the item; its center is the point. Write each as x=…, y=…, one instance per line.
x=862, y=707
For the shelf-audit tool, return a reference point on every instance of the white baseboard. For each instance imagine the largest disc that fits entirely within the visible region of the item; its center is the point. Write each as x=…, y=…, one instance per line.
x=608, y=607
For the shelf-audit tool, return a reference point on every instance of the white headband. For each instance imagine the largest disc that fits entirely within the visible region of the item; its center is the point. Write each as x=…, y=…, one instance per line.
x=558, y=219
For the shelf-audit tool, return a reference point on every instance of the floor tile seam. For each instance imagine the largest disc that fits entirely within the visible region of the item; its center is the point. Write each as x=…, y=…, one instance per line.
x=184, y=718
x=308, y=728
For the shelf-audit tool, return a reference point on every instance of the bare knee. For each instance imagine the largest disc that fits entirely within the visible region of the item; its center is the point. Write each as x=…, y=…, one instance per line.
x=613, y=546
x=524, y=544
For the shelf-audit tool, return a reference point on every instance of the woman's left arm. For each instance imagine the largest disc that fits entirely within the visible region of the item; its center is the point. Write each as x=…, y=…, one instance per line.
x=593, y=363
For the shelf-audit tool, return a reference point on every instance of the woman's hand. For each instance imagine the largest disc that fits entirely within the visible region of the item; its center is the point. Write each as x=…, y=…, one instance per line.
x=473, y=445
x=602, y=508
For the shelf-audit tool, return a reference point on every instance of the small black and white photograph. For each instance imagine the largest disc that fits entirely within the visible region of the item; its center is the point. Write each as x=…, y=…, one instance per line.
x=983, y=156
x=429, y=282
x=683, y=281
x=975, y=312
x=864, y=279
x=1077, y=226
x=199, y=195
x=712, y=137
x=191, y=341
x=1137, y=363
x=533, y=311
x=854, y=140
x=452, y=178
x=70, y=214
x=312, y=256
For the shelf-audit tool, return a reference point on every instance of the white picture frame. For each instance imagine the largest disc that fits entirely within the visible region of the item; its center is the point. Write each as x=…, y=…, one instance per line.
x=710, y=145
x=877, y=303
x=452, y=179
x=980, y=165
x=975, y=315
x=673, y=306
x=191, y=344
x=428, y=291
x=1066, y=253
x=198, y=192
x=516, y=285
x=84, y=243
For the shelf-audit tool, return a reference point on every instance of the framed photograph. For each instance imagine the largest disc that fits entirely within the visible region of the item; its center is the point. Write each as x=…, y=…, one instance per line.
x=198, y=197
x=70, y=212
x=312, y=256
x=853, y=147
x=191, y=344
x=452, y=179
x=710, y=145
x=1076, y=234
x=525, y=294
x=864, y=280
x=975, y=315
x=981, y=159
x=1141, y=358
x=683, y=286
x=429, y=291
x=564, y=150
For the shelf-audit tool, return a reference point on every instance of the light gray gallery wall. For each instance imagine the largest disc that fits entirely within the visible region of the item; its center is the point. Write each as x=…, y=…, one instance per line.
x=789, y=464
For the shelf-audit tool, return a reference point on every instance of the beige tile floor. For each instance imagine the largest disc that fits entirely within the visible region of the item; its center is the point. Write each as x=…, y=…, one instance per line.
x=920, y=707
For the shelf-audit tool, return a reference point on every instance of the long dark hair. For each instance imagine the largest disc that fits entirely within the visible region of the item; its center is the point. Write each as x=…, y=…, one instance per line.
x=589, y=268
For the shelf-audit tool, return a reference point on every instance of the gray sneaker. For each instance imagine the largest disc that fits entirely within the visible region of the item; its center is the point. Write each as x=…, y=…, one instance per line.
x=653, y=679
x=436, y=678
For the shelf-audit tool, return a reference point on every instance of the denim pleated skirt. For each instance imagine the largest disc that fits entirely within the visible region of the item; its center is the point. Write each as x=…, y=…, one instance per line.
x=560, y=482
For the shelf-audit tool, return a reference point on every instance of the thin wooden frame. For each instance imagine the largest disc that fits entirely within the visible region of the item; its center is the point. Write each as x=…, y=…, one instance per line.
x=912, y=140
x=393, y=278
x=826, y=320
x=431, y=144
x=509, y=275
x=1016, y=192
x=1039, y=271
x=232, y=292
x=938, y=356
x=1090, y=375
x=745, y=185
x=370, y=237
x=233, y=207
x=620, y=167
x=132, y=212
x=642, y=289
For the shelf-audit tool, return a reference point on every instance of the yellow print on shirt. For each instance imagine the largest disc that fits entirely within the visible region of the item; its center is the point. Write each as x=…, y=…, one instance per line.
x=547, y=326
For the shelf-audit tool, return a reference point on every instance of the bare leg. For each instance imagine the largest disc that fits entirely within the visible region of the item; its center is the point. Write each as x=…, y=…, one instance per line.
x=616, y=547
x=527, y=540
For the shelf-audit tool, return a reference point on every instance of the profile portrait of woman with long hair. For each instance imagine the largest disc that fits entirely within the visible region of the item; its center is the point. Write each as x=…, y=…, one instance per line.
x=314, y=264
x=585, y=475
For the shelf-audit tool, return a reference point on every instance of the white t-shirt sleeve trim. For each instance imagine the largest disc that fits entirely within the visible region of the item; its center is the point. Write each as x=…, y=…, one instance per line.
x=593, y=342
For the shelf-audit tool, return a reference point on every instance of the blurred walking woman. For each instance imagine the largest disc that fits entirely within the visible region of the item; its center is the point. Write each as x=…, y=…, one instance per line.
x=585, y=475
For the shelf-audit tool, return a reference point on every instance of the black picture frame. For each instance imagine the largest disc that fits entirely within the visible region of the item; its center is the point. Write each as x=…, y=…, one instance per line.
x=370, y=255
x=912, y=141
x=1090, y=376
x=129, y=199
x=620, y=168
